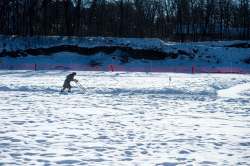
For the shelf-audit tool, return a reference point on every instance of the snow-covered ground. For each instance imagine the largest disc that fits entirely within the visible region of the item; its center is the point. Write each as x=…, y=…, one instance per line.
x=124, y=119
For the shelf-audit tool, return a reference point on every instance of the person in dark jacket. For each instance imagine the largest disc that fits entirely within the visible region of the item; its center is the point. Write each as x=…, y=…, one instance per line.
x=67, y=81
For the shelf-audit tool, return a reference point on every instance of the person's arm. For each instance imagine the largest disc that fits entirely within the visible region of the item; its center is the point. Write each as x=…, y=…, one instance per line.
x=71, y=78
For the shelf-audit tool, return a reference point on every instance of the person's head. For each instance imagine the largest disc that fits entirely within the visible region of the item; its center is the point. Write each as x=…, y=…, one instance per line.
x=74, y=73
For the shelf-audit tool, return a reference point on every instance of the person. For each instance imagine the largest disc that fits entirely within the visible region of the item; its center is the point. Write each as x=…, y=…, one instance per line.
x=67, y=81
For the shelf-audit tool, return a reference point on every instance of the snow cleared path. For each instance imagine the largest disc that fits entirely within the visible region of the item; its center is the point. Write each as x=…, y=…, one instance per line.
x=237, y=91
x=124, y=119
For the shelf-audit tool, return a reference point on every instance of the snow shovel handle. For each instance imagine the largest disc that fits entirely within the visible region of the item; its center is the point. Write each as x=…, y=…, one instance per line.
x=81, y=87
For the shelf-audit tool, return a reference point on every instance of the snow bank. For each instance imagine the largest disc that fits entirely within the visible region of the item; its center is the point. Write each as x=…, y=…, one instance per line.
x=237, y=91
x=12, y=43
x=129, y=54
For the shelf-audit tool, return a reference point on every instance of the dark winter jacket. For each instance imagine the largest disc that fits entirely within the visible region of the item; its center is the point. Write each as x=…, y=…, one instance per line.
x=68, y=79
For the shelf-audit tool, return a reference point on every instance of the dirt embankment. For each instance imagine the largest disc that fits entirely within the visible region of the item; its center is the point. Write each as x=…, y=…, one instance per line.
x=240, y=45
x=150, y=54
x=126, y=52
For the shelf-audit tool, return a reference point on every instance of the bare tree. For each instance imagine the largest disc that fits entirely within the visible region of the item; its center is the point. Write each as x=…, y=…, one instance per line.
x=172, y=19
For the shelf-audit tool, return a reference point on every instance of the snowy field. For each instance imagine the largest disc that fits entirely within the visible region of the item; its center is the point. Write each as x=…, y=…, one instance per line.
x=124, y=119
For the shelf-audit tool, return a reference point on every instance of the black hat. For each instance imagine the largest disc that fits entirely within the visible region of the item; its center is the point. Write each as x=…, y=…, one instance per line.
x=74, y=73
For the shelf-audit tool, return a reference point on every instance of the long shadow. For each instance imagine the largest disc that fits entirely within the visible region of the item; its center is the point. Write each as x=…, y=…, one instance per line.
x=29, y=89
x=163, y=91
x=30, y=73
x=109, y=91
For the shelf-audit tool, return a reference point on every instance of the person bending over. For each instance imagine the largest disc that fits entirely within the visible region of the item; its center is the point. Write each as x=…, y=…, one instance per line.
x=67, y=81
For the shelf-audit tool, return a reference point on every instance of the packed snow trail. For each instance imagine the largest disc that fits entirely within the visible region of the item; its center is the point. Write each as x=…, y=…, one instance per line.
x=123, y=119
x=236, y=91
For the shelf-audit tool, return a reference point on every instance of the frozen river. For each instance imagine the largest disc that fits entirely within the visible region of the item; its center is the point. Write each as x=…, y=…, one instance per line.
x=124, y=119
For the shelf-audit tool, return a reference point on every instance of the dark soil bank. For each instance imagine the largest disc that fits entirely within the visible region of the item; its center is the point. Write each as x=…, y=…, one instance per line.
x=151, y=54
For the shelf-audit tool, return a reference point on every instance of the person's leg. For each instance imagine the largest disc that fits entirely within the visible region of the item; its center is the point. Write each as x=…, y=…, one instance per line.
x=63, y=89
x=65, y=84
x=69, y=89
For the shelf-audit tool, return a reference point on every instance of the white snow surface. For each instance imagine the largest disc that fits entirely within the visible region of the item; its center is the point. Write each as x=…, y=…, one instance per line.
x=235, y=91
x=124, y=119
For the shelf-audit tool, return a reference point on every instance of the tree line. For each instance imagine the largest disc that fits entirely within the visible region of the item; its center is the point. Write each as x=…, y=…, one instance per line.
x=178, y=20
